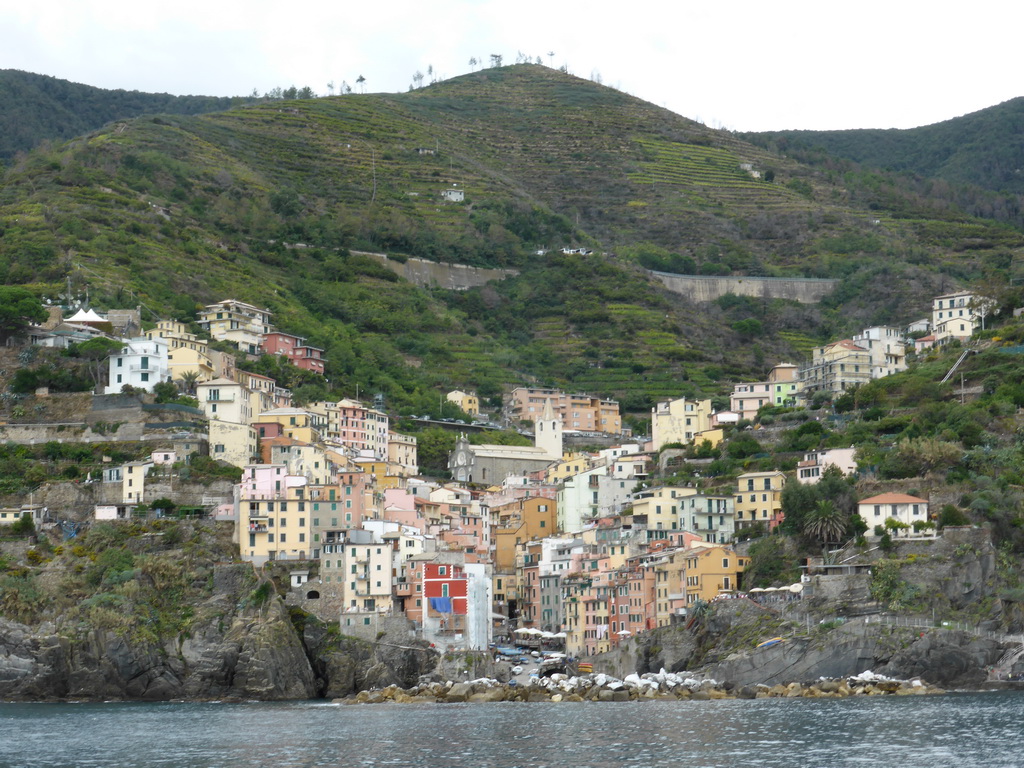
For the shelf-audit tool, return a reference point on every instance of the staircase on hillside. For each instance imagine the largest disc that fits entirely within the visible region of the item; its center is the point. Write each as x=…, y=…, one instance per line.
x=963, y=356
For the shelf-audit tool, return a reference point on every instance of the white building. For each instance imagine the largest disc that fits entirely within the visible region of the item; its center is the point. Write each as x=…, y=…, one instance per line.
x=141, y=363
x=898, y=506
x=244, y=325
x=887, y=349
x=954, y=316
x=225, y=400
x=809, y=470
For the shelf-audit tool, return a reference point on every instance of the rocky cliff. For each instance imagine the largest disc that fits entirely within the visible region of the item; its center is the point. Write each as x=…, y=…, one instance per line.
x=167, y=616
x=848, y=624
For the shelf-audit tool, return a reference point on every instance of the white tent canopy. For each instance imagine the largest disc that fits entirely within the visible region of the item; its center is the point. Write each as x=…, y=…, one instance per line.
x=85, y=316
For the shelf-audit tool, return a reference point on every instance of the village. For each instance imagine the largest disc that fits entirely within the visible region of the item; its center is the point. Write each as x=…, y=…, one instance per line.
x=548, y=546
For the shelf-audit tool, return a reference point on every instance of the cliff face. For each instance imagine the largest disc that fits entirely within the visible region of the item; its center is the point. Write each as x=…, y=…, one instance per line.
x=249, y=654
x=161, y=615
x=253, y=654
x=953, y=576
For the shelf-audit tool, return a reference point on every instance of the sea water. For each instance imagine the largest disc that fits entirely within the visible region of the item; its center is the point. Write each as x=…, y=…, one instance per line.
x=961, y=730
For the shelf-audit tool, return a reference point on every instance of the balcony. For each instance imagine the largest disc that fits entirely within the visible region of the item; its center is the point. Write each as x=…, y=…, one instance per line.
x=256, y=528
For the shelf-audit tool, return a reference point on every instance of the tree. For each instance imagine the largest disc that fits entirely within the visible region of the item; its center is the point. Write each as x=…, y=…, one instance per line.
x=495, y=59
x=188, y=381
x=96, y=352
x=361, y=82
x=434, y=446
x=748, y=328
x=983, y=306
x=417, y=79
x=165, y=391
x=19, y=308
x=23, y=526
x=826, y=523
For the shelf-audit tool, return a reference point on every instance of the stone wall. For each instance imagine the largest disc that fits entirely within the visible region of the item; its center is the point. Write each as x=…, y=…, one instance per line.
x=706, y=289
x=108, y=418
x=433, y=274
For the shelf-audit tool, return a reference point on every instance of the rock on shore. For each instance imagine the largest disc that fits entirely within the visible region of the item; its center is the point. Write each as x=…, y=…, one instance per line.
x=659, y=686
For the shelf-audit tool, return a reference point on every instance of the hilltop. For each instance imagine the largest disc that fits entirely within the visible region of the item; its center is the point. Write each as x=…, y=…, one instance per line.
x=266, y=202
x=39, y=108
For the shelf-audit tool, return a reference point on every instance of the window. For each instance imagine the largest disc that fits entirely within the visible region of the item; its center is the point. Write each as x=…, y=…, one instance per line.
x=441, y=570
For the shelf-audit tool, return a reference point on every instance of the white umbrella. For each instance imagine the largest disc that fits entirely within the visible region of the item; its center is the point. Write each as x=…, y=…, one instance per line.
x=560, y=634
x=523, y=631
x=623, y=632
x=796, y=588
x=757, y=589
x=547, y=635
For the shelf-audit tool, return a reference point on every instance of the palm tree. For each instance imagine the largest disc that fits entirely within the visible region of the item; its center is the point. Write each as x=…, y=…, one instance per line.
x=188, y=381
x=825, y=522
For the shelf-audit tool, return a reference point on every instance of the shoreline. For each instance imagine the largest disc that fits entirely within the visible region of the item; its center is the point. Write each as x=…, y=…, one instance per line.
x=489, y=690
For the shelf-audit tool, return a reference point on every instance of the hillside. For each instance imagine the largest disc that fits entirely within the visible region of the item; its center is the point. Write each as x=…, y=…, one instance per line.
x=37, y=108
x=984, y=149
x=176, y=211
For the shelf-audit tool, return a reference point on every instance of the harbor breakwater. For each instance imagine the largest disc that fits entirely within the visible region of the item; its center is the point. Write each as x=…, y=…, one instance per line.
x=652, y=686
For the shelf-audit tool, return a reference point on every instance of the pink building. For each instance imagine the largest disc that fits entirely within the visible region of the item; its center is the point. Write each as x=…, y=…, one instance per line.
x=295, y=349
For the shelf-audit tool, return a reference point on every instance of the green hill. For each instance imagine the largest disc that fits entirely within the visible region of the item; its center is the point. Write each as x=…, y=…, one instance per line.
x=984, y=148
x=37, y=108
x=174, y=211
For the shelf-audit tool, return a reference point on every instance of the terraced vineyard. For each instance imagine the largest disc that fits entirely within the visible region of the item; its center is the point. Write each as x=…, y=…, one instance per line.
x=266, y=204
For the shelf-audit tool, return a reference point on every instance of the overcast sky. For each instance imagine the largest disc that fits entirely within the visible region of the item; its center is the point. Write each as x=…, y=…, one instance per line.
x=740, y=64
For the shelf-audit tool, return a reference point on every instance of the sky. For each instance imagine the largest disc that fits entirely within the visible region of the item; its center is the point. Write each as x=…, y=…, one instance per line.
x=742, y=65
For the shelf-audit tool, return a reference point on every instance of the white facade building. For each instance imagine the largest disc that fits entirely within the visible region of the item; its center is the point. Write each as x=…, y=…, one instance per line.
x=141, y=363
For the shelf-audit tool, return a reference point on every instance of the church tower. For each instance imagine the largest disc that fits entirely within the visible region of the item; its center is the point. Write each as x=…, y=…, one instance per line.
x=547, y=432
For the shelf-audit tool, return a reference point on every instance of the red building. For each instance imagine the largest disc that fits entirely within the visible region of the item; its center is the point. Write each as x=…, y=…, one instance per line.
x=445, y=588
x=295, y=349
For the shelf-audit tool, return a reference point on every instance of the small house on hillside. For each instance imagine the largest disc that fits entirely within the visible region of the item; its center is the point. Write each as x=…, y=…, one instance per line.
x=904, y=509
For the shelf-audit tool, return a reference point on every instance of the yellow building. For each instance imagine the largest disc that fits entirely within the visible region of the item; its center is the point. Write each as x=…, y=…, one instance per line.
x=679, y=421
x=661, y=507
x=467, y=402
x=710, y=571
x=572, y=464
x=185, y=351
x=669, y=592
x=521, y=521
x=295, y=423
x=244, y=325
x=274, y=517
x=262, y=392
x=402, y=453
x=759, y=498
x=233, y=443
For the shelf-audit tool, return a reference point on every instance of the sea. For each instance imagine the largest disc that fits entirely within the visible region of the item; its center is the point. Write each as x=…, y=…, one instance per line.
x=959, y=729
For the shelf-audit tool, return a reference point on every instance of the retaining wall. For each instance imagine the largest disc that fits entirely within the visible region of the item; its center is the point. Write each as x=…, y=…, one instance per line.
x=806, y=290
